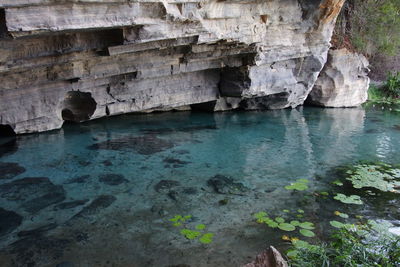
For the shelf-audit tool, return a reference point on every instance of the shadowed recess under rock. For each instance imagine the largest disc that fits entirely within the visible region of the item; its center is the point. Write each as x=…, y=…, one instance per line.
x=78, y=106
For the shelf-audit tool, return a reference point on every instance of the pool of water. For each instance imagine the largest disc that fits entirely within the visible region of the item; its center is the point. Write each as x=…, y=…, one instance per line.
x=102, y=193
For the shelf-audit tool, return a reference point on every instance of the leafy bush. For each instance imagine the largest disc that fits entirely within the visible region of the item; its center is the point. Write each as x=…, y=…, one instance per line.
x=392, y=85
x=372, y=26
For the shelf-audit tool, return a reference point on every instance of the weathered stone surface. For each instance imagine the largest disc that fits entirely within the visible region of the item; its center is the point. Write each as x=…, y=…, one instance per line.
x=269, y=258
x=84, y=59
x=343, y=82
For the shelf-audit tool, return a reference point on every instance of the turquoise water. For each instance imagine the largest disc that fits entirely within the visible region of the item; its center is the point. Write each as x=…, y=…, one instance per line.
x=109, y=186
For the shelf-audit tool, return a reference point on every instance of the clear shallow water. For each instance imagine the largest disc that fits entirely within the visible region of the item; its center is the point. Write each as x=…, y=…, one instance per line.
x=100, y=201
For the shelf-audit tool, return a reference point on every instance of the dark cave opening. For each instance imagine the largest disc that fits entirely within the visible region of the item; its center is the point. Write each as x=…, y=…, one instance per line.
x=6, y=130
x=78, y=106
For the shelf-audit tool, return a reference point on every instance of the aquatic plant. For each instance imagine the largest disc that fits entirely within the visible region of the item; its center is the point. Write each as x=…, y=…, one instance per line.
x=300, y=185
x=181, y=221
x=200, y=227
x=352, y=199
x=279, y=222
x=206, y=238
x=365, y=244
x=190, y=234
x=382, y=177
x=341, y=214
x=337, y=182
x=336, y=224
x=306, y=233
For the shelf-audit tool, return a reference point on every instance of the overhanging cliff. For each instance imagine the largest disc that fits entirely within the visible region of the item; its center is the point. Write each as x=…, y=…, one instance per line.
x=84, y=59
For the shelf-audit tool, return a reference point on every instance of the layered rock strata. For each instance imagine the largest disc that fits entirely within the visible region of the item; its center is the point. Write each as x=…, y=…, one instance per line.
x=343, y=82
x=84, y=59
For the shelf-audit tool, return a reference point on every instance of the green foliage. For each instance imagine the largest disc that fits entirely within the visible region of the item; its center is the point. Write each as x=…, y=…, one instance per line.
x=336, y=224
x=353, y=199
x=392, y=85
x=286, y=227
x=300, y=185
x=181, y=221
x=206, y=238
x=307, y=233
x=381, y=177
x=363, y=245
x=374, y=25
x=190, y=234
x=307, y=225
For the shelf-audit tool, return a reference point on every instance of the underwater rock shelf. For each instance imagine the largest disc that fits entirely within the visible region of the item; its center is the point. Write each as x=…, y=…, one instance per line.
x=81, y=60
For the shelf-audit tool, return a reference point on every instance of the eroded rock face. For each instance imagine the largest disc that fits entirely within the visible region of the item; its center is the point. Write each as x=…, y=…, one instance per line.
x=343, y=82
x=128, y=56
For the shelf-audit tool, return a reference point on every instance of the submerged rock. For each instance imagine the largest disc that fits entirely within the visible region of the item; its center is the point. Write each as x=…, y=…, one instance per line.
x=9, y=221
x=226, y=185
x=37, y=250
x=70, y=204
x=9, y=170
x=78, y=180
x=37, y=231
x=146, y=144
x=112, y=179
x=34, y=193
x=96, y=206
x=36, y=204
x=165, y=185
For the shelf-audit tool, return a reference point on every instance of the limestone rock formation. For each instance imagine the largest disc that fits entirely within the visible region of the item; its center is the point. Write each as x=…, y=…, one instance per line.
x=83, y=59
x=343, y=82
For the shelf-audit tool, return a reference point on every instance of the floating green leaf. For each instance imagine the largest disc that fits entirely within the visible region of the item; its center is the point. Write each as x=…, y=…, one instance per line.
x=279, y=220
x=300, y=185
x=381, y=177
x=272, y=224
x=190, y=234
x=286, y=211
x=307, y=225
x=176, y=218
x=200, y=227
x=352, y=199
x=307, y=233
x=177, y=224
x=260, y=214
x=295, y=223
x=292, y=253
x=300, y=211
x=206, y=238
x=341, y=214
x=286, y=227
x=337, y=224
x=337, y=182
x=324, y=193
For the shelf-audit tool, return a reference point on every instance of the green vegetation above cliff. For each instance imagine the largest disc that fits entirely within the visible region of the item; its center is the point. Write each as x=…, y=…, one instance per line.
x=370, y=26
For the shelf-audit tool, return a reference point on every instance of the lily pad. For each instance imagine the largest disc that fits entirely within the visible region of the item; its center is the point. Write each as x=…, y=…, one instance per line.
x=206, y=238
x=299, y=185
x=307, y=225
x=286, y=227
x=307, y=233
x=295, y=223
x=190, y=234
x=352, y=199
x=200, y=226
x=260, y=214
x=380, y=177
x=279, y=220
x=337, y=182
x=337, y=224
